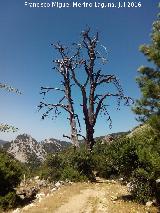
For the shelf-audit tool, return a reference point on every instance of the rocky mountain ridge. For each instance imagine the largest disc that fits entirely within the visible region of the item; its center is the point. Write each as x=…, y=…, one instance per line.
x=26, y=149
x=2, y=142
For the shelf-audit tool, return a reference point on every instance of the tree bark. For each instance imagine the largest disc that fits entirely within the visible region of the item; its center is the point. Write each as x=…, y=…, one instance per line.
x=74, y=134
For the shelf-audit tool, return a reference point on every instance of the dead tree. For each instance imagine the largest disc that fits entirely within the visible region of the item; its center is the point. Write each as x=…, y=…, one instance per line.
x=66, y=102
x=85, y=56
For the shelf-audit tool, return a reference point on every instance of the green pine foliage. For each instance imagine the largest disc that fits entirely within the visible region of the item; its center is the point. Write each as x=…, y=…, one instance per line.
x=136, y=158
x=149, y=79
x=10, y=177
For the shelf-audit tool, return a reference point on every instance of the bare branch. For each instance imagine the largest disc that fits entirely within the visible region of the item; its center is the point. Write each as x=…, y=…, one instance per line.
x=101, y=102
x=105, y=79
x=47, y=89
x=75, y=79
x=79, y=124
x=51, y=106
x=82, y=136
x=66, y=136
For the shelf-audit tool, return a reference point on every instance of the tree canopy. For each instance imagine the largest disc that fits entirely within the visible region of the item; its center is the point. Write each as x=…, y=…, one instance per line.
x=148, y=106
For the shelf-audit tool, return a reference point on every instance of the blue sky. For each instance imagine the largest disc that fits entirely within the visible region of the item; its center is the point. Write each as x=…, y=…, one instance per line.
x=26, y=58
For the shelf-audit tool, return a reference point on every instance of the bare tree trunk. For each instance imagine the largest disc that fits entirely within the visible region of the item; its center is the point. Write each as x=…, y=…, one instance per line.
x=74, y=134
x=90, y=137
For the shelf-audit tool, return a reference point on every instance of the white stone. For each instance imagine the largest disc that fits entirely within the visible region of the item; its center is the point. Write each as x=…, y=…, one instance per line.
x=114, y=198
x=36, y=178
x=149, y=203
x=54, y=189
x=57, y=184
x=40, y=195
x=121, y=179
x=158, y=181
x=16, y=210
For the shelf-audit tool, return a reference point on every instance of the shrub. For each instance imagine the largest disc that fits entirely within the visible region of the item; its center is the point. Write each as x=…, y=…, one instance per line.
x=143, y=185
x=52, y=167
x=137, y=159
x=8, y=201
x=81, y=160
x=10, y=177
x=70, y=164
x=154, y=122
x=103, y=160
x=69, y=173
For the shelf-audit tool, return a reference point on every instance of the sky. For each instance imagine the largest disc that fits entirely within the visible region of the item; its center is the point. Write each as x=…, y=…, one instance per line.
x=26, y=57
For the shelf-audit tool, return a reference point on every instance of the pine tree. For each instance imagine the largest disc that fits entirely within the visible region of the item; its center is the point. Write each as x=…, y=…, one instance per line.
x=148, y=106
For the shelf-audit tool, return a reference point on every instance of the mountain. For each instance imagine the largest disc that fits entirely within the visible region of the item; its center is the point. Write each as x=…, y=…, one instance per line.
x=111, y=136
x=26, y=149
x=2, y=142
x=53, y=145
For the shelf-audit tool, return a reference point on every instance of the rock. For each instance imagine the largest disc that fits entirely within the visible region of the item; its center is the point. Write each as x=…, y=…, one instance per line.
x=54, y=189
x=70, y=182
x=149, y=203
x=22, y=197
x=114, y=198
x=40, y=199
x=121, y=179
x=16, y=210
x=130, y=186
x=58, y=184
x=62, y=182
x=40, y=195
x=113, y=181
x=31, y=205
x=42, y=183
x=36, y=178
x=22, y=184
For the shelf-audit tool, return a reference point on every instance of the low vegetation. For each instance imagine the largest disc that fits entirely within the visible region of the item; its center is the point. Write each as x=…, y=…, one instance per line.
x=10, y=177
x=134, y=157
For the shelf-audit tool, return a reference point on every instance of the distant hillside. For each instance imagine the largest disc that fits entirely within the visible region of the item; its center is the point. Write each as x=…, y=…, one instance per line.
x=53, y=145
x=106, y=137
x=113, y=135
x=2, y=142
x=26, y=149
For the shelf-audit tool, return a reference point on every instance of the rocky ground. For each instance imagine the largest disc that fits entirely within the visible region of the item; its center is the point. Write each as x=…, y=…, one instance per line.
x=104, y=196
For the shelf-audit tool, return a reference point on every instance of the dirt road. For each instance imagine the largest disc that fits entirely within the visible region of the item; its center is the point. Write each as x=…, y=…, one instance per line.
x=102, y=197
